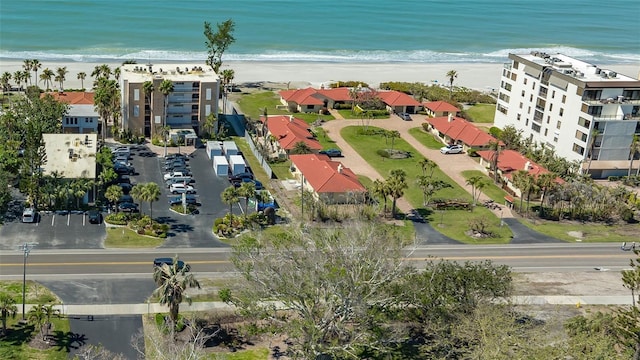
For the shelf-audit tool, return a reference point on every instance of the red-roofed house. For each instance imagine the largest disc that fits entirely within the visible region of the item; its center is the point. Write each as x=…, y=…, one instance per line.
x=311, y=100
x=82, y=117
x=398, y=102
x=454, y=130
x=510, y=162
x=440, y=108
x=285, y=131
x=328, y=180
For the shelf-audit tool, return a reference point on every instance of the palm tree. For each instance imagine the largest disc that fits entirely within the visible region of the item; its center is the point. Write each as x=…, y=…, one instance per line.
x=101, y=72
x=634, y=148
x=107, y=101
x=451, y=75
x=46, y=76
x=49, y=312
x=166, y=88
x=397, y=184
x=81, y=76
x=173, y=283
x=210, y=124
x=495, y=147
x=300, y=148
x=230, y=196
x=38, y=316
x=545, y=182
x=151, y=194
x=427, y=164
x=79, y=188
x=19, y=77
x=8, y=308
x=248, y=191
x=476, y=183
x=26, y=65
x=393, y=135
x=381, y=190
x=5, y=83
x=116, y=73
x=429, y=186
x=62, y=73
x=35, y=65
x=147, y=90
x=137, y=192
x=113, y=193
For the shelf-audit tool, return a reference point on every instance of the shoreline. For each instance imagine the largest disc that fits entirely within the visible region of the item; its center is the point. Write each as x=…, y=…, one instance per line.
x=477, y=76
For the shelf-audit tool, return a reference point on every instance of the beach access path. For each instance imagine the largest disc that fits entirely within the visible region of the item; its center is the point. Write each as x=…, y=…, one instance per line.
x=452, y=165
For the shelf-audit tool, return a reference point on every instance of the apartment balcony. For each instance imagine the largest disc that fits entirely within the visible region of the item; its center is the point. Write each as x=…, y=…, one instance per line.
x=619, y=100
x=629, y=116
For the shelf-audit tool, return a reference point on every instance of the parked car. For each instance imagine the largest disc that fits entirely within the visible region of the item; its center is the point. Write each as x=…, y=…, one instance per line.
x=125, y=199
x=126, y=187
x=180, y=188
x=244, y=175
x=405, y=116
x=176, y=167
x=451, y=149
x=169, y=261
x=128, y=207
x=238, y=183
x=179, y=180
x=331, y=152
x=177, y=200
x=173, y=174
x=124, y=179
x=122, y=163
x=177, y=156
x=29, y=215
x=123, y=170
x=95, y=217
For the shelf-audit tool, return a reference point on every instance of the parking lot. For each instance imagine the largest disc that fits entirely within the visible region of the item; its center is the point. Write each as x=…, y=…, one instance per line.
x=65, y=231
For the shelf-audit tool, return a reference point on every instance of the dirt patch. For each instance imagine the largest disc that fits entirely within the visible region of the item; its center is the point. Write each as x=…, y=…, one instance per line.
x=570, y=283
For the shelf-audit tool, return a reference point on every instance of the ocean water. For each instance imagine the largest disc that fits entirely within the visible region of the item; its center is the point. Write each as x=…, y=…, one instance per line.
x=328, y=31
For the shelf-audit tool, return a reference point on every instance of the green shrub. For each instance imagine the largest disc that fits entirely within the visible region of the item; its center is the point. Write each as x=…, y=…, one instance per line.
x=614, y=178
x=472, y=152
x=495, y=131
x=117, y=218
x=383, y=153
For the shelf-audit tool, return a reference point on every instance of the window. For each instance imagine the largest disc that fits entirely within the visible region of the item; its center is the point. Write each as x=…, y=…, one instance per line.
x=564, y=98
x=548, y=119
x=561, y=111
x=594, y=110
x=555, y=139
x=522, y=93
x=553, y=94
x=546, y=131
x=310, y=107
x=581, y=136
x=519, y=116
x=533, y=85
x=136, y=94
x=584, y=122
x=578, y=149
x=136, y=110
x=515, y=64
x=558, y=124
x=529, y=110
x=535, y=127
x=526, y=123
x=550, y=107
x=208, y=94
x=521, y=105
x=525, y=81
x=531, y=98
x=66, y=121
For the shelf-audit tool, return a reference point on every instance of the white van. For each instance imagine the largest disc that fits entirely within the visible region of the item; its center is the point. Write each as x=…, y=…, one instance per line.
x=29, y=215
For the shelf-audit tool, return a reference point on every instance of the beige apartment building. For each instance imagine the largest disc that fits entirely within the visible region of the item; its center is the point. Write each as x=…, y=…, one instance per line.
x=194, y=97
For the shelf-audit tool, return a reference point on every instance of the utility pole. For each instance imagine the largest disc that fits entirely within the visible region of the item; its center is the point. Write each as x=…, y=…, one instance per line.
x=25, y=248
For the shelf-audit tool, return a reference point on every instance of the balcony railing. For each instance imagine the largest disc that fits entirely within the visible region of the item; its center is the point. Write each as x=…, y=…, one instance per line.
x=616, y=117
x=611, y=101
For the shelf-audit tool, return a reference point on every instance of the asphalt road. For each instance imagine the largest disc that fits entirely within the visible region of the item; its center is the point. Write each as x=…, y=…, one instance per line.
x=132, y=264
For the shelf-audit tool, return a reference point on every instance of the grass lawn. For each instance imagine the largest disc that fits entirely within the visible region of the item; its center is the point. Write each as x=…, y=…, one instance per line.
x=347, y=114
x=253, y=105
x=16, y=344
x=482, y=113
x=34, y=292
x=282, y=170
x=254, y=354
x=491, y=190
x=121, y=237
x=257, y=170
x=591, y=232
x=425, y=138
x=454, y=223
x=323, y=137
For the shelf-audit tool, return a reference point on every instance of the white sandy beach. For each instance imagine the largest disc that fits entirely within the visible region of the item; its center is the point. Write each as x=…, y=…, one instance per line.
x=301, y=74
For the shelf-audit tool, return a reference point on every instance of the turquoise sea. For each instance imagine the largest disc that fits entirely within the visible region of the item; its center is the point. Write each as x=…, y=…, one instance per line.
x=329, y=31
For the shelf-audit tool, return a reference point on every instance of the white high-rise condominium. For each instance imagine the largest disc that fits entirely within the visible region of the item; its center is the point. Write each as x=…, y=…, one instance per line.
x=582, y=111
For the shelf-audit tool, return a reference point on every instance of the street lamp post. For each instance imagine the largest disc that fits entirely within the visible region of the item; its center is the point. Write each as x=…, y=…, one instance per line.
x=26, y=248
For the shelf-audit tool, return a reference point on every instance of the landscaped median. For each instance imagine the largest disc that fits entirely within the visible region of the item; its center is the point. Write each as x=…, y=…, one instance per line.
x=453, y=223
x=133, y=231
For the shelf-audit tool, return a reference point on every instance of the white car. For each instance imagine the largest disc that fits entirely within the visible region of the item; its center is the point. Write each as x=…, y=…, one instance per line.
x=451, y=149
x=179, y=188
x=174, y=174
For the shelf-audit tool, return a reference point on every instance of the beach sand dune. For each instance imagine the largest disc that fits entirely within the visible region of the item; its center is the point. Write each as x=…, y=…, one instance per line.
x=483, y=77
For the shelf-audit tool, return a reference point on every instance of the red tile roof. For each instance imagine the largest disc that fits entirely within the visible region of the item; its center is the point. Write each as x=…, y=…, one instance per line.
x=73, y=97
x=325, y=175
x=311, y=96
x=460, y=129
x=397, y=98
x=510, y=161
x=289, y=130
x=439, y=106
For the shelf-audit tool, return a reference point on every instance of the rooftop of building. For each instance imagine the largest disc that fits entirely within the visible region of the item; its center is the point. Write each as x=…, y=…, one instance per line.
x=71, y=155
x=326, y=175
x=575, y=68
x=138, y=73
x=72, y=97
x=82, y=111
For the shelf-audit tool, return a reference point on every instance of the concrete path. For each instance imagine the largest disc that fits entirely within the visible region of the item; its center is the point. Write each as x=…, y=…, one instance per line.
x=153, y=308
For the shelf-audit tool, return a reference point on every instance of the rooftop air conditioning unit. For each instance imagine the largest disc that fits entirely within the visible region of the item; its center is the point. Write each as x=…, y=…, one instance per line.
x=612, y=74
x=598, y=70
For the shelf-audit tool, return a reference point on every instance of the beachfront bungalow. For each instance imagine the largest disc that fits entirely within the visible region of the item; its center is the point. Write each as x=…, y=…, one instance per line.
x=82, y=117
x=440, y=108
x=510, y=162
x=194, y=97
x=312, y=100
x=328, y=180
x=281, y=133
x=454, y=130
x=398, y=102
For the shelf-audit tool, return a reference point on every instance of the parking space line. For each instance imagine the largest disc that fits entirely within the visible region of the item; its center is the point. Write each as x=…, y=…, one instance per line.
x=53, y=219
x=68, y=218
x=84, y=217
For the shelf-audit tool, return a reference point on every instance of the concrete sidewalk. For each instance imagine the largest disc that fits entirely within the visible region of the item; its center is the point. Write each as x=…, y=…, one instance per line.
x=152, y=308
